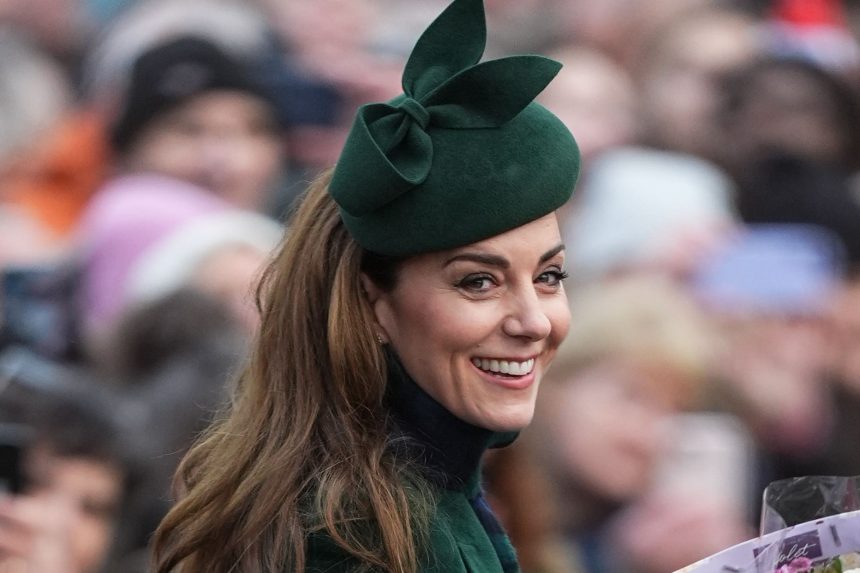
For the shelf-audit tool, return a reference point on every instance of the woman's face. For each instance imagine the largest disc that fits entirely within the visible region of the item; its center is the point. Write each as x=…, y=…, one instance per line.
x=224, y=141
x=604, y=426
x=477, y=326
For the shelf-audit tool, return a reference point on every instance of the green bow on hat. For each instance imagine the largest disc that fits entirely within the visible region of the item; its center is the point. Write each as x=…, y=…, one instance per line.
x=463, y=154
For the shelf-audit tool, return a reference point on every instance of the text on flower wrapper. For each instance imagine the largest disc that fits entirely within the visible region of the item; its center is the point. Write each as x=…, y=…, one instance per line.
x=806, y=545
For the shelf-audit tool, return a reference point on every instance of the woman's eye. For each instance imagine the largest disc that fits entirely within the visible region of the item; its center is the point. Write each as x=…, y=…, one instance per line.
x=477, y=283
x=552, y=278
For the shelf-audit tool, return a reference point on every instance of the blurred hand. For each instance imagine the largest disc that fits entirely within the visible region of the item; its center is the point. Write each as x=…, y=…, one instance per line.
x=34, y=535
x=661, y=535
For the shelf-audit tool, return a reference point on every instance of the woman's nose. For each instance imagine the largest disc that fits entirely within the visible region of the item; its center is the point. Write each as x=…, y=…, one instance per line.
x=527, y=317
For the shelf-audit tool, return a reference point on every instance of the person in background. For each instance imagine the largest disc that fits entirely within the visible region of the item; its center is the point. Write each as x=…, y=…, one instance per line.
x=596, y=98
x=839, y=457
x=795, y=126
x=171, y=362
x=679, y=74
x=638, y=354
x=789, y=108
x=195, y=113
x=518, y=490
x=146, y=236
x=770, y=290
x=75, y=469
x=34, y=95
x=643, y=209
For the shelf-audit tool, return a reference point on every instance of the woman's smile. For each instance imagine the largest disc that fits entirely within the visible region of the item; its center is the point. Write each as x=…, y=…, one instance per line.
x=512, y=374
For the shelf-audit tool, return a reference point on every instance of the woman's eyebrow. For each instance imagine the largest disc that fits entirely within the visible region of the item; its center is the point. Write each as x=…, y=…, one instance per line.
x=552, y=252
x=492, y=260
x=497, y=261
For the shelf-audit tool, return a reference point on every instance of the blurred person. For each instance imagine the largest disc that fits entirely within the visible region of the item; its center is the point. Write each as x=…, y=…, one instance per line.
x=604, y=26
x=33, y=95
x=595, y=97
x=518, y=489
x=638, y=354
x=790, y=108
x=75, y=473
x=344, y=46
x=520, y=26
x=308, y=106
x=335, y=39
x=836, y=455
x=646, y=209
x=194, y=113
x=236, y=27
x=55, y=177
x=66, y=166
x=144, y=237
x=172, y=358
x=770, y=289
x=679, y=72
x=53, y=149
x=61, y=28
x=797, y=148
x=619, y=28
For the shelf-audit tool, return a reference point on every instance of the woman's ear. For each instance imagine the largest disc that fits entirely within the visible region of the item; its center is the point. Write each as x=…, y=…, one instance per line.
x=371, y=291
x=379, y=305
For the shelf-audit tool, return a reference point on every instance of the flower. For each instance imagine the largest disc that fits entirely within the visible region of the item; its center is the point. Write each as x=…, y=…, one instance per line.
x=797, y=565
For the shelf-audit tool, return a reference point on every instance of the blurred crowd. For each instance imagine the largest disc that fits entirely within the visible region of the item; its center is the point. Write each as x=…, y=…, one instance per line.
x=150, y=151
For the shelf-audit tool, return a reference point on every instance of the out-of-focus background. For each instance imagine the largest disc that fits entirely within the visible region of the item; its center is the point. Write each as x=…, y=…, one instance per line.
x=149, y=154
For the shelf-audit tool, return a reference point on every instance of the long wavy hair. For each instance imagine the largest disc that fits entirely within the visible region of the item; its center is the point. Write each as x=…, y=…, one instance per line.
x=304, y=447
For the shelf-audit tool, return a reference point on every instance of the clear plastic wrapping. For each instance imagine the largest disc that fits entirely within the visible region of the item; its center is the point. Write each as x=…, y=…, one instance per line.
x=797, y=500
x=808, y=525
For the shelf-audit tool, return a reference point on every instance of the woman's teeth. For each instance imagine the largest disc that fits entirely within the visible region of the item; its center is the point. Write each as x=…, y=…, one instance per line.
x=504, y=366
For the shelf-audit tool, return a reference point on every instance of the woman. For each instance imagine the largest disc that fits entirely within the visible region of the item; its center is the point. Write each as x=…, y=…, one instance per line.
x=406, y=324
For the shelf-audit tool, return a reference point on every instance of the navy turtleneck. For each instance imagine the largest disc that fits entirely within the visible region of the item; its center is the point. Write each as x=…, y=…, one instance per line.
x=449, y=449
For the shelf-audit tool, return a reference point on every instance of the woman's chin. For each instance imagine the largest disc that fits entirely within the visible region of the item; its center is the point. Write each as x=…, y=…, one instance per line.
x=511, y=421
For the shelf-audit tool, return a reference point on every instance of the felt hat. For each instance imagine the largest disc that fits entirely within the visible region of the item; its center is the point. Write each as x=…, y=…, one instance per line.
x=462, y=155
x=173, y=73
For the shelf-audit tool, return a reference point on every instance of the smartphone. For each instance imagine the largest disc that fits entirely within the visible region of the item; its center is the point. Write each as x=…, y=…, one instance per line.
x=14, y=439
x=708, y=456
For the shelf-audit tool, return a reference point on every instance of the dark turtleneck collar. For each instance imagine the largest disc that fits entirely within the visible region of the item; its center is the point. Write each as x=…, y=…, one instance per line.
x=449, y=448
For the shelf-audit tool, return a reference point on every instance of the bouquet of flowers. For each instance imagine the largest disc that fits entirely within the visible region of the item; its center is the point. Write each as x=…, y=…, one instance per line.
x=809, y=525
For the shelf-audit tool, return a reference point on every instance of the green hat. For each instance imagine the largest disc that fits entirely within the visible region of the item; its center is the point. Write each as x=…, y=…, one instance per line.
x=462, y=155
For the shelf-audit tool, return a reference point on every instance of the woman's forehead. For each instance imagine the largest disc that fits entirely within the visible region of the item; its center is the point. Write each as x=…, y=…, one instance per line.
x=539, y=235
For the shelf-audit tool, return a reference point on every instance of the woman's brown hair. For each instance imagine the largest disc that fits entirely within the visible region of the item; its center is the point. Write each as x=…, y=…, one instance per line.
x=304, y=447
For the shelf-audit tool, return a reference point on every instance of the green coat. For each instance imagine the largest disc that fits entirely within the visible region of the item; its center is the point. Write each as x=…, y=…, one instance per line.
x=459, y=542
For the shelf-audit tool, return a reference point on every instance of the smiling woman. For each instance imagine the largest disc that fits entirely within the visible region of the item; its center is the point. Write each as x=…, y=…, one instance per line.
x=477, y=326
x=405, y=327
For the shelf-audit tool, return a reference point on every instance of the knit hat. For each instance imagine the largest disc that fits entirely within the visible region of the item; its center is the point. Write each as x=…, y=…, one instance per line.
x=123, y=221
x=462, y=155
x=144, y=236
x=172, y=73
